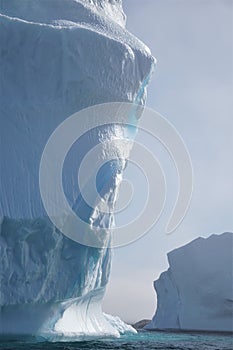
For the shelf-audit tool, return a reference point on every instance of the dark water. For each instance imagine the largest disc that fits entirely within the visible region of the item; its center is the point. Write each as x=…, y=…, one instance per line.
x=140, y=341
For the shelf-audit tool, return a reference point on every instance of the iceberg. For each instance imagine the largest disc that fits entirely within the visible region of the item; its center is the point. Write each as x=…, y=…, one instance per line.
x=58, y=58
x=196, y=292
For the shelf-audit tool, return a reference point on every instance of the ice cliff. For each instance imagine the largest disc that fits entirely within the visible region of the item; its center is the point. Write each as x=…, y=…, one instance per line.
x=196, y=292
x=56, y=58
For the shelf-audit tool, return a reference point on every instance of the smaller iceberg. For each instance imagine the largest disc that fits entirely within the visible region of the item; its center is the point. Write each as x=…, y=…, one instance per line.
x=196, y=292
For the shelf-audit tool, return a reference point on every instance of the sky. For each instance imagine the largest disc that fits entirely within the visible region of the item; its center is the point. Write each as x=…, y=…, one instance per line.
x=192, y=87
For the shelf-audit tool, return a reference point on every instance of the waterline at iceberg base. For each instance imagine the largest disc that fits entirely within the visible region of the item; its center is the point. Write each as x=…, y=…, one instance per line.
x=57, y=60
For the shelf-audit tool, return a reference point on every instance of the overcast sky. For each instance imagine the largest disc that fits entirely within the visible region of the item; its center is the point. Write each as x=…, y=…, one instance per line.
x=192, y=87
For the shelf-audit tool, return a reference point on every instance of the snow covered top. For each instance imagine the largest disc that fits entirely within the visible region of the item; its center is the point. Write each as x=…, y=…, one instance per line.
x=210, y=254
x=46, y=11
x=105, y=17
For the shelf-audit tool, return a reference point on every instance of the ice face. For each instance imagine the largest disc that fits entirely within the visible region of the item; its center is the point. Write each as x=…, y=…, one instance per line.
x=50, y=72
x=57, y=60
x=195, y=293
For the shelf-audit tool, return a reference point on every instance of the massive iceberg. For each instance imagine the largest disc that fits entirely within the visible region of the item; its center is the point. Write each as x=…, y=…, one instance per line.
x=196, y=292
x=58, y=57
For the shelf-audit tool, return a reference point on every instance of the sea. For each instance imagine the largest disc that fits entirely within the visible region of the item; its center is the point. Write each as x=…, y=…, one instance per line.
x=140, y=341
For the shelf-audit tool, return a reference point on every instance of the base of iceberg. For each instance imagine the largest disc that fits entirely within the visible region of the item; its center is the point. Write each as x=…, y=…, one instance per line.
x=73, y=320
x=51, y=286
x=76, y=319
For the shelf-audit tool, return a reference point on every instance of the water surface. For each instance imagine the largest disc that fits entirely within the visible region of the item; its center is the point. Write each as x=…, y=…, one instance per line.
x=140, y=341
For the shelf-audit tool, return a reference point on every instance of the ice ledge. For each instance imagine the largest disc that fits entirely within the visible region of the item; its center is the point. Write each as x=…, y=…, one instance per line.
x=75, y=319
